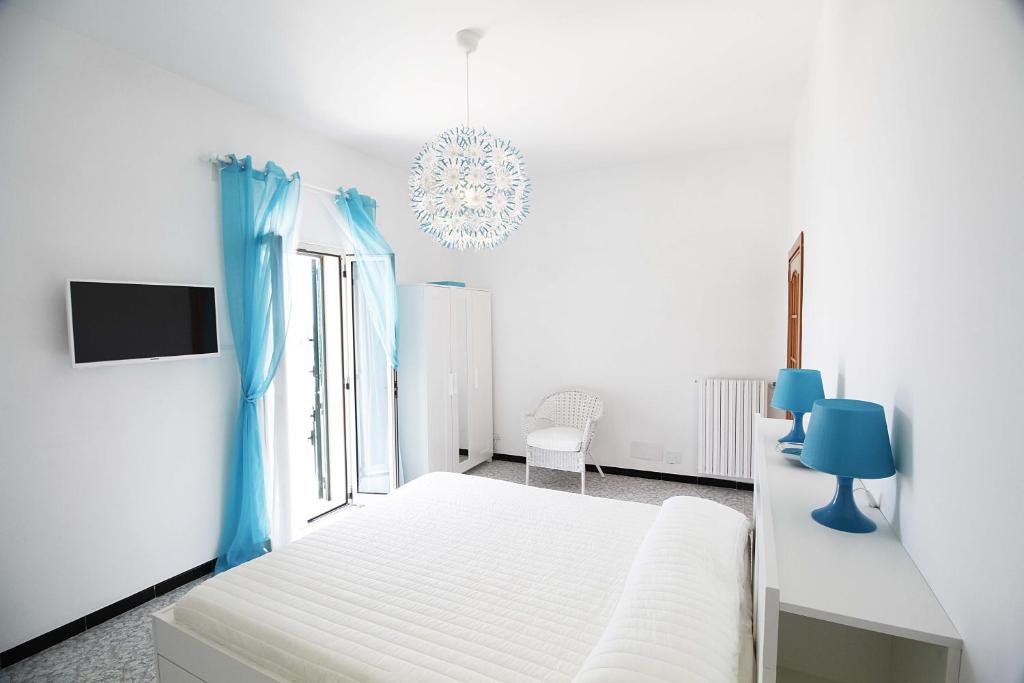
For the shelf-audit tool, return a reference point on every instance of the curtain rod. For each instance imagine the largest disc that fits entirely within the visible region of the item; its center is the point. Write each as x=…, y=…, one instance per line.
x=217, y=159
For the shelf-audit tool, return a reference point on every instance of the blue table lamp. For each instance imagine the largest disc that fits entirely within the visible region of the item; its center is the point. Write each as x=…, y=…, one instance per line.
x=849, y=439
x=796, y=390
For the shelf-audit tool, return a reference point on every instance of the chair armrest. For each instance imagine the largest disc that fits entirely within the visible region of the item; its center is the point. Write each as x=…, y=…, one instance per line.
x=588, y=435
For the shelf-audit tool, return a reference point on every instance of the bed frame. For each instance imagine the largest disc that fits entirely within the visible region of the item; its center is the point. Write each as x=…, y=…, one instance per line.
x=184, y=656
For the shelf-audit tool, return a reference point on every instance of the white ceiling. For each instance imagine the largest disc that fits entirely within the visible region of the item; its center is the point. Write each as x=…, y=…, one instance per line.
x=572, y=82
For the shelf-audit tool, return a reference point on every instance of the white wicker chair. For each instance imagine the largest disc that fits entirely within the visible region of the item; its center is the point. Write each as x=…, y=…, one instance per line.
x=558, y=433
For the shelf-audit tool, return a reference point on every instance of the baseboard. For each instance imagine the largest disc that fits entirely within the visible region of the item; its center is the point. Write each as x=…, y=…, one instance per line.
x=509, y=458
x=645, y=474
x=82, y=624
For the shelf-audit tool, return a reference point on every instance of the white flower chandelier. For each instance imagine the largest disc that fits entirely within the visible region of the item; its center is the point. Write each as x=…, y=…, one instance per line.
x=469, y=189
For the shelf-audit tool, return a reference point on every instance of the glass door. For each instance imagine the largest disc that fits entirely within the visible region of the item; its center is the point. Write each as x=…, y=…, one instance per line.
x=316, y=392
x=375, y=391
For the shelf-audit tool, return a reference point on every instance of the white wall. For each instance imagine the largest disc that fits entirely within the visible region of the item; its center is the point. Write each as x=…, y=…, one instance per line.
x=111, y=478
x=633, y=281
x=910, y=187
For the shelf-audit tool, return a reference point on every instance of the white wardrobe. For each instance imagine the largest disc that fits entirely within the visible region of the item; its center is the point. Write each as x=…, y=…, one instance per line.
x=445, y=419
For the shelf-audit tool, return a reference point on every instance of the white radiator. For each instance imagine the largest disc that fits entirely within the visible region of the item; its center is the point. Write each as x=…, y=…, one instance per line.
x=725, y=425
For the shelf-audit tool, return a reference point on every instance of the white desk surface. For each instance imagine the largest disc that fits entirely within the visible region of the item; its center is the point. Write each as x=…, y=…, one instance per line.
x=862, y=580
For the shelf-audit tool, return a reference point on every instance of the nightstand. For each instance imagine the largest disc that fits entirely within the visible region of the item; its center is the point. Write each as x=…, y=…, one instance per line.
x=833, y=606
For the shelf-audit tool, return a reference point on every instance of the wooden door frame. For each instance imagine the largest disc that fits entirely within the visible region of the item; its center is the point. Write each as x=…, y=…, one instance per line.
x=798, y=247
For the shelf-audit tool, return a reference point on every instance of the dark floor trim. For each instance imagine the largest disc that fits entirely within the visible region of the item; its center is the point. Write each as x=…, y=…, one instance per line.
x=62, y=633
x=40, y=643
x=187, y=576
x=645, y=474
x=509, y=458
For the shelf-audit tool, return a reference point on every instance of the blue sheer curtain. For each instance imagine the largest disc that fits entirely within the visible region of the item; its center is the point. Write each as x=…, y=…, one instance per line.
x=376, y=266
x=376, y=335
x=258, y=210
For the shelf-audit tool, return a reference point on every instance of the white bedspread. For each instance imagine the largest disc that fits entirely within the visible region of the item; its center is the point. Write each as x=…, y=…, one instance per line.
x=685, y=611
x=457, y=577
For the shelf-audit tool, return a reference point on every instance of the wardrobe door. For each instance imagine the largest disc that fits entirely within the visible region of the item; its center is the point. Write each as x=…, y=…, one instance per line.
x=481, y=418
x=437, y=350
x=460, y=369
x=423, y=380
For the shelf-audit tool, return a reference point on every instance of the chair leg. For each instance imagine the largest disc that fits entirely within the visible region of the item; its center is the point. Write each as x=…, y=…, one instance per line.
x=527, y=467
x=599, y=470
x=583, y=481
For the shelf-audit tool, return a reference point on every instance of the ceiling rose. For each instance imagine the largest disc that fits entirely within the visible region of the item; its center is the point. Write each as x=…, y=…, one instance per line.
x=469, y=189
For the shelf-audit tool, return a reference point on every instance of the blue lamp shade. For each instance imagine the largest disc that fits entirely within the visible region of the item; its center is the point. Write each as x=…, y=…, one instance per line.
x=796, y=390
x=849, y=439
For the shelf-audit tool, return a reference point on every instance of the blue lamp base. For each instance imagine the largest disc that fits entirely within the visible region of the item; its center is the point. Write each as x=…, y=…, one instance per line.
x=792, y=453
x=796, y=434
x=842, y=513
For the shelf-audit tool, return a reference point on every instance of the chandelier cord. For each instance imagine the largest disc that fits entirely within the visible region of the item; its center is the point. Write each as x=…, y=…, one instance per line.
x=467, y=88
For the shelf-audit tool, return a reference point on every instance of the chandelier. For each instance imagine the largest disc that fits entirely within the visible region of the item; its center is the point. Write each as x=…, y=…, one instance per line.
x=468, y=188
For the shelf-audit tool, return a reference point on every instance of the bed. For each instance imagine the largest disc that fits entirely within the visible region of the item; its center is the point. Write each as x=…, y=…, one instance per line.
x=462, y=578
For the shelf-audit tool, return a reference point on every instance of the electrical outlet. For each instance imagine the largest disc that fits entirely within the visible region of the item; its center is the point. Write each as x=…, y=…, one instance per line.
x=654, y=452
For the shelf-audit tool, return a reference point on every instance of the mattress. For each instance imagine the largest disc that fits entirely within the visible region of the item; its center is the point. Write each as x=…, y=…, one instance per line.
x=455, y=577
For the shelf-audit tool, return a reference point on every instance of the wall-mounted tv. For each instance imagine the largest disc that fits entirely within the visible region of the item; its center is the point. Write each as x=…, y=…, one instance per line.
x=132, y=322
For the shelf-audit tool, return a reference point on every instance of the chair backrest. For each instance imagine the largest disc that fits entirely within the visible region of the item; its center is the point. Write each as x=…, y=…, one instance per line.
x=573, y=407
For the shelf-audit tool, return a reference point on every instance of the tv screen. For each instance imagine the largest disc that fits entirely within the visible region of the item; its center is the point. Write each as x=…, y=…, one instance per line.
x=127, y=321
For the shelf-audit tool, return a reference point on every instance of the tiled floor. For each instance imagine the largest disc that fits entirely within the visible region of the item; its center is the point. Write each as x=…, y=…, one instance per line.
x=117, y=650
x=122, y=649
x=654, y=491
